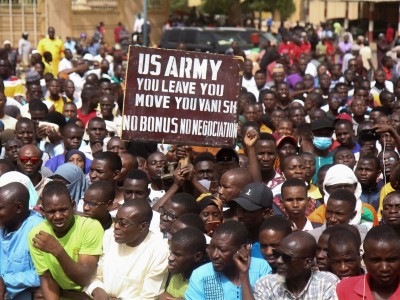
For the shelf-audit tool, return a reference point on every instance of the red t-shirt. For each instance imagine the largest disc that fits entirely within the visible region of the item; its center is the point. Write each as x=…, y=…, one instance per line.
x=86, y=118
x=358, y=287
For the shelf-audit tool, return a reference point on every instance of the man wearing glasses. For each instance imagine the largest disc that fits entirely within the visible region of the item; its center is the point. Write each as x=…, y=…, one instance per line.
x=295, y=278
x=98, y=199
x=30, y=163
x=134, y=261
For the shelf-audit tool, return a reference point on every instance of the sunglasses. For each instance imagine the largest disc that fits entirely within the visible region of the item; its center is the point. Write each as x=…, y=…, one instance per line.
x=26, y=159
x=286, y=258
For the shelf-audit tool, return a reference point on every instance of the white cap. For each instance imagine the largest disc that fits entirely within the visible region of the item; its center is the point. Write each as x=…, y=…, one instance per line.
x=88, y=56
x=7, y=42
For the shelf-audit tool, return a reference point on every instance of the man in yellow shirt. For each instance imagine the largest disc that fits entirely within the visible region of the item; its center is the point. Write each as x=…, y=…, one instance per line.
x=54, y=45
x=65, y=248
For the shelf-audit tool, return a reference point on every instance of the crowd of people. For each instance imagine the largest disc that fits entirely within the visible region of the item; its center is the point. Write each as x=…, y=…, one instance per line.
x=306, y=206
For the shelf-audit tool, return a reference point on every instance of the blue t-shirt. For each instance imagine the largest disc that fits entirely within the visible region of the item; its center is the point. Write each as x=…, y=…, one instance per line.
x=207, y=284
x=256, y=251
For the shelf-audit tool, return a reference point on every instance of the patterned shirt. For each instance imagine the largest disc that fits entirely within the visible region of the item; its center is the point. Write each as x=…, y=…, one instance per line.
x=320, y=286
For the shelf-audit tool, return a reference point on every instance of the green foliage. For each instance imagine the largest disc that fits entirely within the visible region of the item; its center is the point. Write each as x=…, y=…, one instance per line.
x=285, y=7
x=179, y=5
x=214, y=7
x=260, y=5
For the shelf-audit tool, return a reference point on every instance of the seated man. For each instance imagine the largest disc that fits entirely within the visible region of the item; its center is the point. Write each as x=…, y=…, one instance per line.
x=30, y=163
x=254, y=205
x=344, y=253
x=230, y=185
x=107, y=166
x=136, y=186
x=188, y=250
x=382, y=260
x=16, y=221
x=272, y=231
x=134, y=261
x=222, y=277
x=342, y=177
x=341, y=209
x=178, y=205
x=65, y=248
x=72, y=135
x=98, y=199
x=295, y=258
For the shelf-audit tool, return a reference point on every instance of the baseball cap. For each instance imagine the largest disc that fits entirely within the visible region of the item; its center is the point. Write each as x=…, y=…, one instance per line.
x=344, y=116
x=226, y=155
x=290, y=138
x=321, y=123
x=255, y=196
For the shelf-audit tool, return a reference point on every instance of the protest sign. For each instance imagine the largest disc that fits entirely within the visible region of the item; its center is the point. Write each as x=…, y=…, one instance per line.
x=181, y=97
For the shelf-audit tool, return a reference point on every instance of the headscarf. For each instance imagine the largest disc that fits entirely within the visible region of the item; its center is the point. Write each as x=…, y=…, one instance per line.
x=76, y=178
x=341, y=174
x=73, y=152
x=15, y=176
x=205, y=200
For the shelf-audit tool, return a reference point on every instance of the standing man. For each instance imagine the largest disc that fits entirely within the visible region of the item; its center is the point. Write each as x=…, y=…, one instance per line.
x=16, y=221
x=65, y=248
x=53, y=45
x=24, y=48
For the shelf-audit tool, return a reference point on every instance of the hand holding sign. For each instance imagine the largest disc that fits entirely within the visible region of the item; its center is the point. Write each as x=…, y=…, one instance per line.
x=181, y=97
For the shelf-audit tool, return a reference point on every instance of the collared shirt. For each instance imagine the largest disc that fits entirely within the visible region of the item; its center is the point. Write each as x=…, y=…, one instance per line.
x=358, y=287
x=16, y=266
x=207, y=284
x=132, y=272
x=321, y=285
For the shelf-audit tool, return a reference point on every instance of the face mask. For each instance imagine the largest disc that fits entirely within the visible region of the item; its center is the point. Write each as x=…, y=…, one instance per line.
x=322, y=143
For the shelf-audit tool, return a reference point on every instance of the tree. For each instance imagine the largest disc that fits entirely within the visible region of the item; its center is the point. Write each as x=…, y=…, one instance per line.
x=285, y=7
x=231, y=8
x=179, y=6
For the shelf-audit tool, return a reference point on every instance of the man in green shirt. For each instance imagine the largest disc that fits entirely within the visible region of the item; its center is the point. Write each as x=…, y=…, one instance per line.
x=65, y=248
x=187, y=252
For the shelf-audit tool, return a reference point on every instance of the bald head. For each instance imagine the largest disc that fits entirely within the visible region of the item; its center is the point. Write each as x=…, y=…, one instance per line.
x=129, y=161
x=15, y=192
x=141, y=209
x=301, y=242
x=31, y=149
x=242, y=176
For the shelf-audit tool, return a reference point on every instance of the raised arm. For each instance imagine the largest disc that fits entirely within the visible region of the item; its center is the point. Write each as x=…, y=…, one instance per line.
x=250, y=139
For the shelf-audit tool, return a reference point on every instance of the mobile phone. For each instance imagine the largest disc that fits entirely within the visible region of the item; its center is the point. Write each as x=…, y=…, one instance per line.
x=211, y=226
